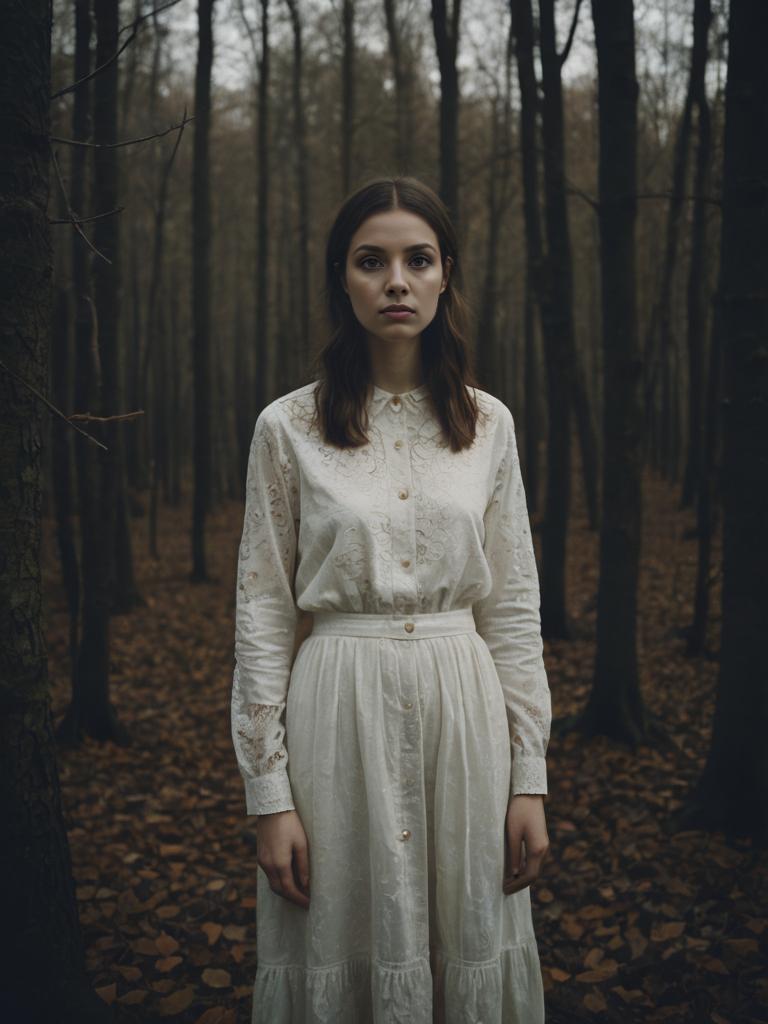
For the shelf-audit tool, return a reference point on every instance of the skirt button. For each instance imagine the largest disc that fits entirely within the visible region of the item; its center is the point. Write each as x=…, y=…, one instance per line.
x=408, y=627
x=405, y=834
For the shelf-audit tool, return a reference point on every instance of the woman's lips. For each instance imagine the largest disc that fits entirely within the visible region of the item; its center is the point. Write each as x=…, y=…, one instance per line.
x=398, y=314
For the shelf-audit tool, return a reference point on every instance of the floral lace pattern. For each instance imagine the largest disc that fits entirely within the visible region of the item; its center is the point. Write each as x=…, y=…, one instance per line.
x=399, y=526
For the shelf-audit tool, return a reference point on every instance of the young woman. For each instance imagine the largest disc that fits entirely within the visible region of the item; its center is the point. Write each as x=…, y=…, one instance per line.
x=398, y=759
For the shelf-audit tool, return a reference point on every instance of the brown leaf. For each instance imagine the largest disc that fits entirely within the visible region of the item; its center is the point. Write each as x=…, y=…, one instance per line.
x=595, y=1001
x=594, y=956
x=176, y=1002
x=167, y=963
x=146, y=947
x=129, y=972
x=216, y=977
x=212, y=930
x=557, y=975
x=235, y=932
x=166, y=944
x=667, y=930
x=108, y=992
x=134, y=997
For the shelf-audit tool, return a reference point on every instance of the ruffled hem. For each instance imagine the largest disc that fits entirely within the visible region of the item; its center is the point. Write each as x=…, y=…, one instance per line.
x=359, y=990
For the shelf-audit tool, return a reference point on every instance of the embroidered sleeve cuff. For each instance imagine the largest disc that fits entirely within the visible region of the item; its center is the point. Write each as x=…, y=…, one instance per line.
x=268, y=794
x=529, y=775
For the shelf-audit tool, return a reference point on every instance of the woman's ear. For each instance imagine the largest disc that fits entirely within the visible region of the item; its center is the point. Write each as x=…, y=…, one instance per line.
x=446, y=273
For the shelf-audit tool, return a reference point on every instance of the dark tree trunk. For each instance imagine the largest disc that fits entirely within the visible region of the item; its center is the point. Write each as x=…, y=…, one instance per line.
x=556, y=303
x=106, y=283
x=201, y=285
x=487, y=357
x=301, y=344
x=661, y=341
x=732, y=793
x=347, y=94
x=522, y=27
x=43, y=973
x=264, y=378
x=91, y=712
x=697, y=273
x=446, y=32
x=615, y=705
x=401, y=72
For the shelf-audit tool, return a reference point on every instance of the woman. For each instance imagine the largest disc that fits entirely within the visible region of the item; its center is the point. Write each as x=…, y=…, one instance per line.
x=397, y=763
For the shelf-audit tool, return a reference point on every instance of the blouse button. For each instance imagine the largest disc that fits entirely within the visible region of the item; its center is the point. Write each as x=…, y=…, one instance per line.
x=403, y=494
x=407, y=705
x=405, y=562
x=396, y=403
x=398, y=443
x=408, y=627
x=405, y=834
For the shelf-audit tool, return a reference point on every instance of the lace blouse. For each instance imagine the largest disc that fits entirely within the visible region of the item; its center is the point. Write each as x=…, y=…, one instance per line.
x=399, y=526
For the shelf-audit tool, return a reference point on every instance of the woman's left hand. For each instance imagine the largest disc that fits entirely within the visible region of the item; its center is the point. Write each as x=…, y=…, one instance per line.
x=526, y=826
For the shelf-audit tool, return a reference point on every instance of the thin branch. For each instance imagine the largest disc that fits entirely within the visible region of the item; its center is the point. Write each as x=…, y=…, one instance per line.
x=52, y=407
x=127, y=142
x=133, y=29
x=72, y=218
x=571, y=34
x=712, y=200
x=85, y=220
x=92, y=418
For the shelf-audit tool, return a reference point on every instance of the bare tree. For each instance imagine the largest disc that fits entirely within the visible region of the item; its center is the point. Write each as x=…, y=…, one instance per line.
x=445, y=26
x=615, y=706
x=732, y=793
x=44, y=975
x=201, y=284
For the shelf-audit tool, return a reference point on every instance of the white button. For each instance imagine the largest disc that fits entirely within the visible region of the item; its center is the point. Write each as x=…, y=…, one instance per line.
x=403, y=494
x=407, y=705
x=405, y=834
x=398, y=443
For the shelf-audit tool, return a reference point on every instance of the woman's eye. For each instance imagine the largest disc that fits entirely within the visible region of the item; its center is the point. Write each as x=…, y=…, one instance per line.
x=421, y=256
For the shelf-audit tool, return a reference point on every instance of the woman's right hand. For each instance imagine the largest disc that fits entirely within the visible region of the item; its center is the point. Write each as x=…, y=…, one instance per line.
x=282, y=852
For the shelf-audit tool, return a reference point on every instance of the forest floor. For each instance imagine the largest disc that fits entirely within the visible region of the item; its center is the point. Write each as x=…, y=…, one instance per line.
x=633, y=923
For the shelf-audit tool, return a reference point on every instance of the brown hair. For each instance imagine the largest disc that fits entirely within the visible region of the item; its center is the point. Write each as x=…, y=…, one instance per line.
x=343, y=364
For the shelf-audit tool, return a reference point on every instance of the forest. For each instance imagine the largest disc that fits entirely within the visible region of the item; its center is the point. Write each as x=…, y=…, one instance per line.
x=170, y=171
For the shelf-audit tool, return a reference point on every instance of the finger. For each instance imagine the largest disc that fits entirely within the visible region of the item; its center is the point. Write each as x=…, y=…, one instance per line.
x=516, y=853
x=290, y=891
x=301, y=862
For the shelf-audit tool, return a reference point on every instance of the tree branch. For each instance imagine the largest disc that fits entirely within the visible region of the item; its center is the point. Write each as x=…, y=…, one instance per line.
x=72, y=218
x=52, y=407
x=133, y=29
x=126, y=142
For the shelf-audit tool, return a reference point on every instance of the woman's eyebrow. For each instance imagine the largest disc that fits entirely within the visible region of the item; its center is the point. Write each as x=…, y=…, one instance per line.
x=408, y=248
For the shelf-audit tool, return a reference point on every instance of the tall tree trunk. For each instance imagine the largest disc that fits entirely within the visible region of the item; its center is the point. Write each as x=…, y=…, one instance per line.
x=522, y=27
x=446, y=32
x=660, y=338
x=301, y=344
x=265, y=376
x=201, y=286
x=697, y=276
x=401, y=72
x=91, y=710
x=704, y=418
x=43, y=974
x=347, y=94
x=615, y=705
x=732, y=793
x=556, y=303
x=106, y=281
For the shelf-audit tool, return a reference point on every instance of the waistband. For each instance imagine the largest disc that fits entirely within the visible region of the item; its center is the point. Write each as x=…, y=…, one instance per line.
x=418, y=626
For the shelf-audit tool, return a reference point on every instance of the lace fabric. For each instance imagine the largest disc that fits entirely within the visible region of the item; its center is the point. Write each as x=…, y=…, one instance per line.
x=401, y=525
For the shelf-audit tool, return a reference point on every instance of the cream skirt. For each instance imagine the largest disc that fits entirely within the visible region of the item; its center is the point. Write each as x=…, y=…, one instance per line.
x=399, y=761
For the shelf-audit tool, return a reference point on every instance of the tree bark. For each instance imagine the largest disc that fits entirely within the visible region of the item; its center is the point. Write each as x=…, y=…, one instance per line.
x=732, y=793
x=201, y=285
x=347, y=94
x=446, y=32
x=401, y=71
x=615, y=705
x=43, y=972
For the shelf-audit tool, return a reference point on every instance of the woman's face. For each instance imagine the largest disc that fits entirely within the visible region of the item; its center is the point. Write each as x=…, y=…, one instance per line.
x=394, y=259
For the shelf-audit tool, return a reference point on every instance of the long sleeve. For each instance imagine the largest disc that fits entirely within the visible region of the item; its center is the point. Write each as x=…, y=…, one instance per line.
x=265, y=618
x=508, y=619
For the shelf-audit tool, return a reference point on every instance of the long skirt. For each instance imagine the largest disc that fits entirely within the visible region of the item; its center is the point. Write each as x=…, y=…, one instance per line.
x=399, y=761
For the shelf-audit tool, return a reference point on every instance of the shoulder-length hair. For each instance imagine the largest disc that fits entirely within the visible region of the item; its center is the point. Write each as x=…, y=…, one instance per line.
x=343, y=364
